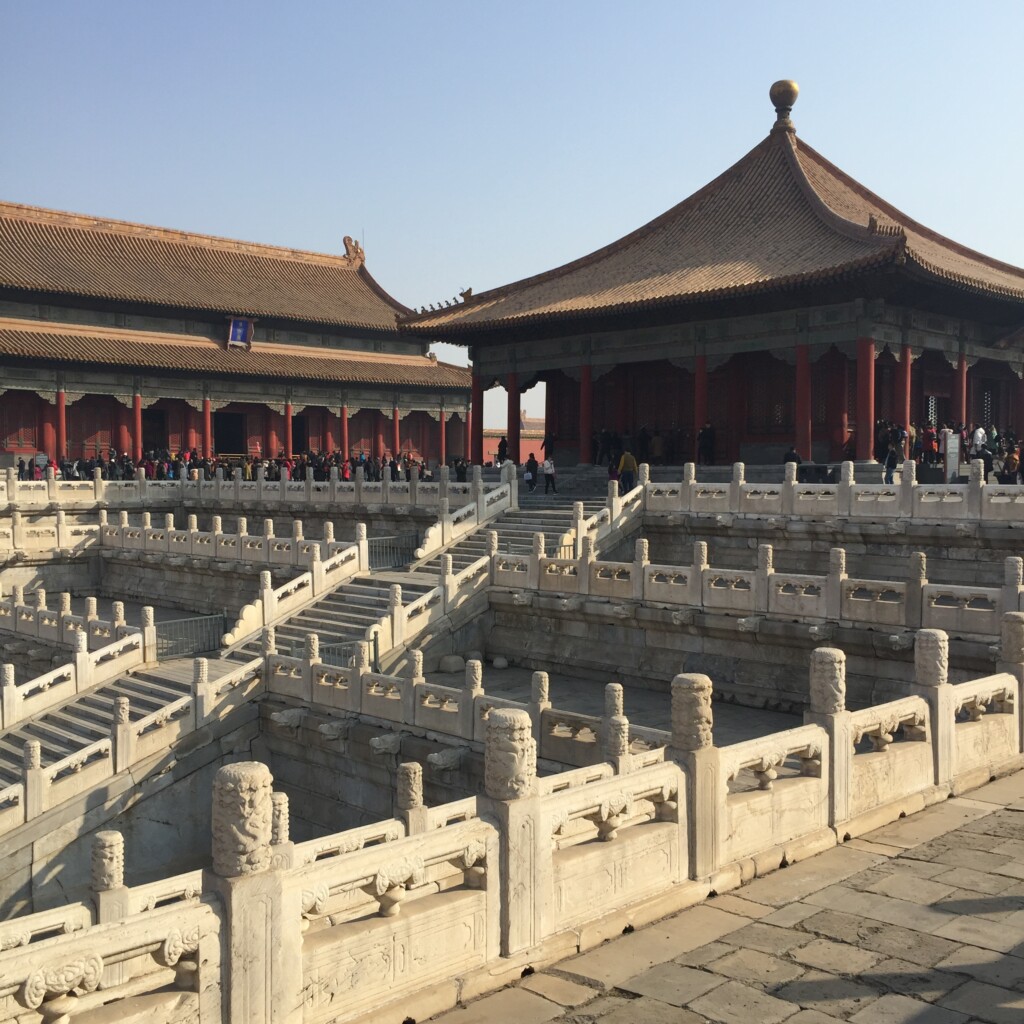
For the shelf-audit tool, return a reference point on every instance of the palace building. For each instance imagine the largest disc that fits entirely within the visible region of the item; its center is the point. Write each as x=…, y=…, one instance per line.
x=784, y=303
x=118, y=336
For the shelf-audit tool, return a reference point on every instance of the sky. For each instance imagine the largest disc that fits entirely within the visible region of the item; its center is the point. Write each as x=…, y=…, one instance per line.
x=476, y=143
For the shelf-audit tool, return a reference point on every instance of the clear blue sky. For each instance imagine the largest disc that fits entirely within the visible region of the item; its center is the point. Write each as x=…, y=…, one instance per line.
x=477, y=143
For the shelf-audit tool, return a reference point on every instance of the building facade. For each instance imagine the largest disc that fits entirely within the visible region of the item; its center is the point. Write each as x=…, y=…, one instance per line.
x=783, y=303
x=121, y=337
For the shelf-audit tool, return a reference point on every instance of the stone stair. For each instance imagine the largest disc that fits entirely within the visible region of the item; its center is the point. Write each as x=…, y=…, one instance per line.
x=537, y=513
x=340, y=616
x=89, y=716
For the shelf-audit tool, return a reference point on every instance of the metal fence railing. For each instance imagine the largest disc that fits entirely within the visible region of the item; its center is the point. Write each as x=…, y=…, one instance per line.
x=342, y=655
x=392, y=552
x=180, y=638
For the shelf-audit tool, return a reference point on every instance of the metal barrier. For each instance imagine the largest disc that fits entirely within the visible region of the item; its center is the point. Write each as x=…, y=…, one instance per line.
x=392, y=552
x=341, y=655
x=180, y=638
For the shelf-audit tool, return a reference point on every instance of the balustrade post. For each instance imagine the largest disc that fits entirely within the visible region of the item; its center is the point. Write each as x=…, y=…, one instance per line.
x=359, y=478
x=33, y=780
x=202, y=694
x=908, y=484
x=297, y=539
x=834, y=584
x=63, y=541
x=695, y=580
x=122, y=737
x=686, y=486
x=510, y=783
x=51, y=484
x=533, y=569
x=1011, y=660
x=149, y=651
x=99, y=486
x=268, y=599
x=310, y=660
x=763, y=577
x=789, y=489
x=693, y=747
x=12, y=486
x=444, y=518
x=917, y=580
x=409, y=798
x=17, y=531
x=614, y=502
x=844, y=493
x=472, y=688
x=11, y=696
x=82, y=661
x=739, y=473
x=827, y=709
x=262, y=931
x=539, y=702
x=109, y=895
x=316, y=569
x=397, y=611
x=364, y=547
x=91, y=609
x=1013, y=584
x=931, y=681
x=975, y=489
x=578, y=531
x=447, y=581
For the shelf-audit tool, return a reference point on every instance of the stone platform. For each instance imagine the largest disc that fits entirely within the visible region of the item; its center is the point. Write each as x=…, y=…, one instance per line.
x=919, y=922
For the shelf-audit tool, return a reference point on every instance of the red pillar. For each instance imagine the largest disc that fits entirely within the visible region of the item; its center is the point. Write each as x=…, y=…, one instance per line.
x=442, y=457
x=190, y=428
x=513, y=418
x=344, y=432
x=906, y=369
x=273, y=445
x=137, y=428
x=700, y=398
x=288, y=430
x=330, y=438
x=48, y=422
x=960, y=391
x=378, y=419
x=865, y=399
x=586, y=414
x=803, y=402
x=396, y=436
x=62, y=425
x=124, y=435
x=839, y=397
x=475, y=420
x=207, y=430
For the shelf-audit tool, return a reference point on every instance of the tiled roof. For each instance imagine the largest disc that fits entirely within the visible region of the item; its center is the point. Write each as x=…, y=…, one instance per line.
x=780, y=217
x=69, y=254
x=203, y=358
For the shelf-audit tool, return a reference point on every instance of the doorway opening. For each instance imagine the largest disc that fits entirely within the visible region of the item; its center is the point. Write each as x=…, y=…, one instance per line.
x=229, y=433
x=300, y=435
x=154, y=430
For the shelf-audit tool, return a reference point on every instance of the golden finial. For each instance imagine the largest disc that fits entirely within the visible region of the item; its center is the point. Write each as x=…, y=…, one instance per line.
x=783, y=95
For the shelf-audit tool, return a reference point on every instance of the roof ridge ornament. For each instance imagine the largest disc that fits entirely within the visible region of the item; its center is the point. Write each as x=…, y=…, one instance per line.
x=783, y=95
x=354, y=252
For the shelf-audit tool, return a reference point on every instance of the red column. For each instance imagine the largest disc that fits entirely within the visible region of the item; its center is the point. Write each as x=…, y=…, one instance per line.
x=700, y=397
x=803, y=402
x=124, y=435
x=288, y=430
x=137, y=428
x=62, y=425
x=960, y=391
x=865, y=399
x=207, y=430
x=396, y=436
x=586, y=414
x=49, y=429
x=273, y=445
x=344, y=432
x=378, y=419
x=442, y=457
x=475, y=421
x=839, y=396
x=513, y=415
x=330, y=438
x=190, y=428
x=906, y=369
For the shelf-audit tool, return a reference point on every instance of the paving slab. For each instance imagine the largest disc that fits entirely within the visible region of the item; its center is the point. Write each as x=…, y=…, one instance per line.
x=890, y=940
x=927, y=824
x=768, y=938
x=511, y=1004
x=997, y=935
x=629, y=1011
x=811, y=1017
x=735, y=1003
x=807, y=876
x=626, y=957
x=913, y=980
x=897, y=1009
x=559, y=990
x=704, y=954
x=880, y=908
x=868, y=847
x=985, y=965
x=786, y=917
x=1003, y=791
x=835, y=957
x=840, y=997
x=752, y=965
x=989, y=1003
x=904, y=886
x=738, y=905
x=672, y=983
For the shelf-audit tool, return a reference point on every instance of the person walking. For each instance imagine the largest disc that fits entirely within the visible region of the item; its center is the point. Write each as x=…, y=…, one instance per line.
x=548, y=469
x=627, y=472
x=891, y=463
x=530, y=472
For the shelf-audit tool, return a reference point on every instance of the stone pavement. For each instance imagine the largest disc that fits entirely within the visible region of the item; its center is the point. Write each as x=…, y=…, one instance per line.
x=919, y=922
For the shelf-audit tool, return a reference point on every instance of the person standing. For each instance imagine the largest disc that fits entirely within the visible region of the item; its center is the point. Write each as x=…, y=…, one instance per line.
x=548, y=469
x=891, y=463
x=627, y=472
x=502, y=449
